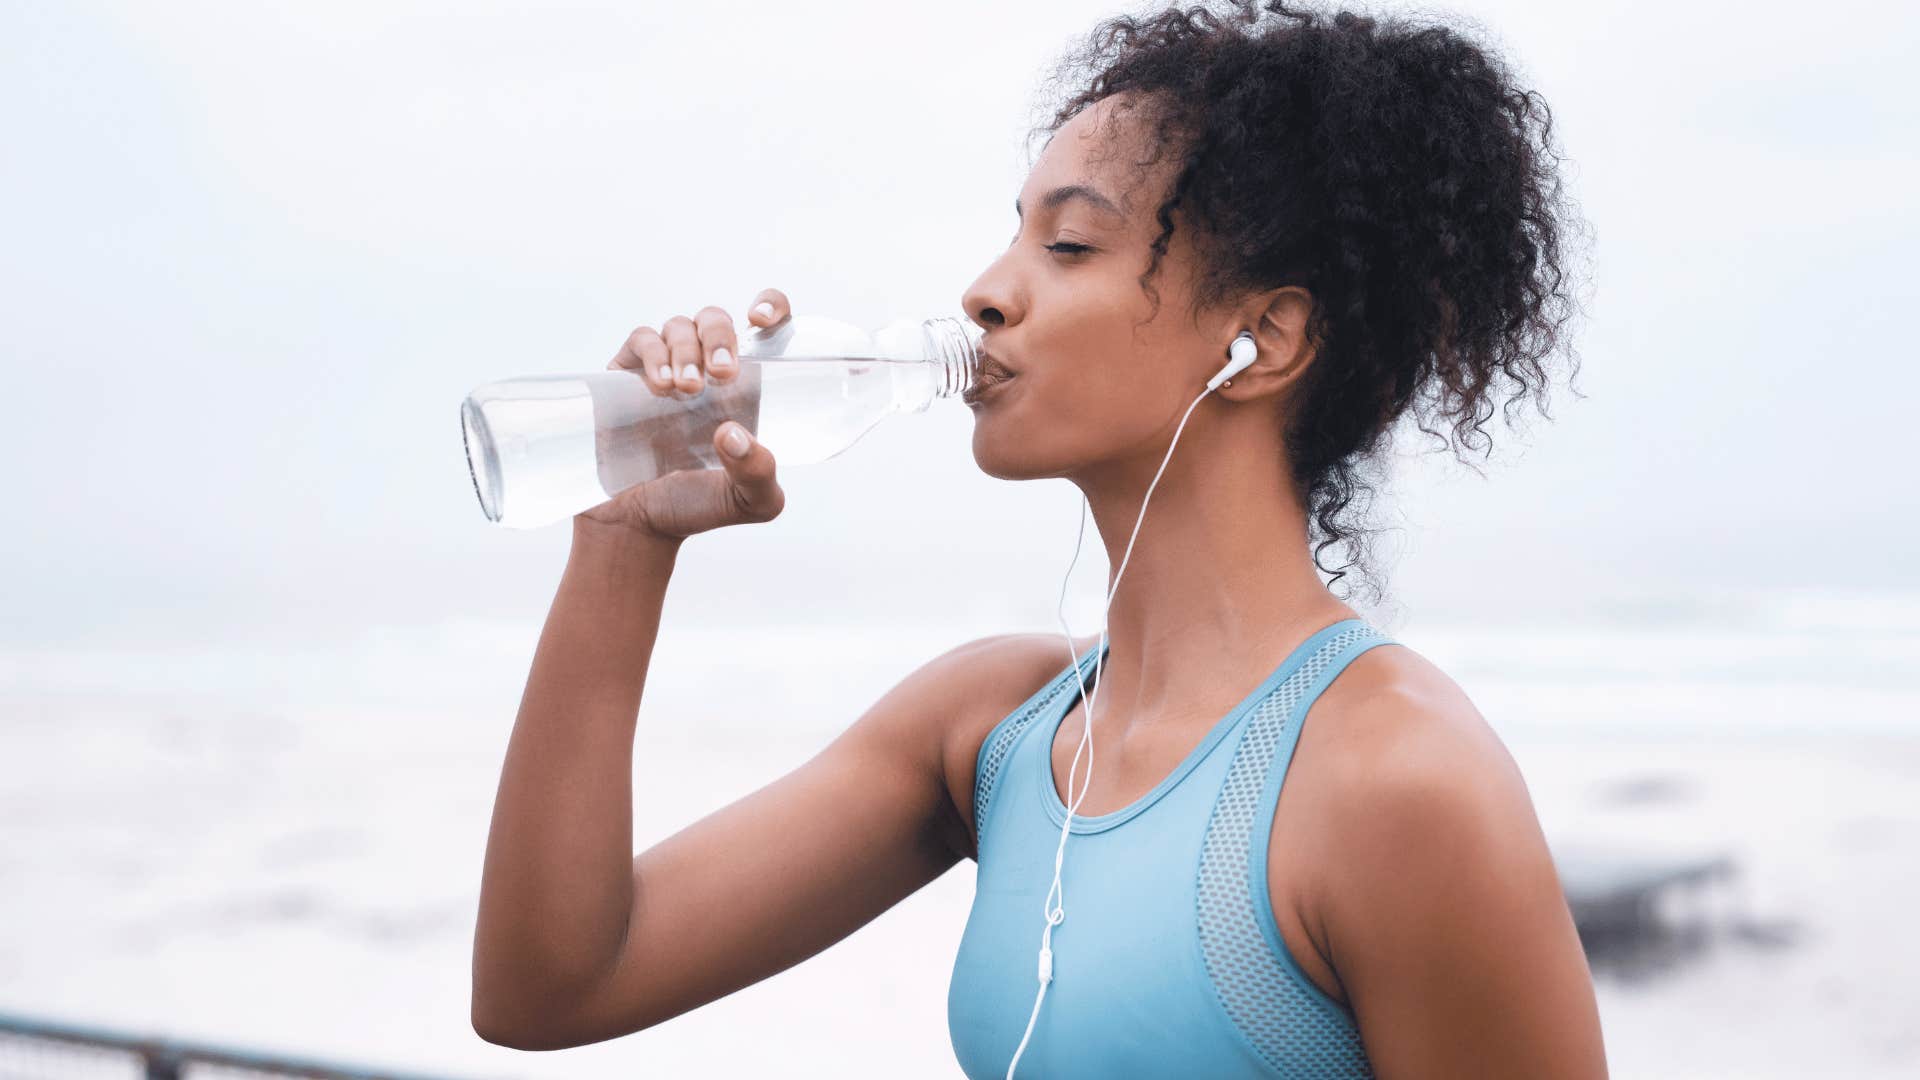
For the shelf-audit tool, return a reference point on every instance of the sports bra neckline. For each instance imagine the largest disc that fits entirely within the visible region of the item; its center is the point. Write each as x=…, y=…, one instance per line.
x=1051, y=723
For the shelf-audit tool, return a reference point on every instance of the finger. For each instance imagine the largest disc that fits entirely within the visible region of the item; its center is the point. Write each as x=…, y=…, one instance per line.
x=755, y=489
x=683, y=343
x=644, y=354
x=769, y=308
x=718, y=347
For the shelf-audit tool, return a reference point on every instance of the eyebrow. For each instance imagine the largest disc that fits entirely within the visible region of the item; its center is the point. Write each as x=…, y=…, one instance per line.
x=1061, y=195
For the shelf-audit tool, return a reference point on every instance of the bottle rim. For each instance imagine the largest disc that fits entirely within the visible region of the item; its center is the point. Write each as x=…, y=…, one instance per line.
x=954, y=344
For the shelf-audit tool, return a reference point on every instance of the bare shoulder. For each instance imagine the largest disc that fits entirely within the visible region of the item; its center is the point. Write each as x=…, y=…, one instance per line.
x=973, y=688
x=1398, y=741
x=1443, y=911
x=1394, y=708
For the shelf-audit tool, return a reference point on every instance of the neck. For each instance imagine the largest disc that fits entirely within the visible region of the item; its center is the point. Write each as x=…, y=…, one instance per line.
x=1220, y=583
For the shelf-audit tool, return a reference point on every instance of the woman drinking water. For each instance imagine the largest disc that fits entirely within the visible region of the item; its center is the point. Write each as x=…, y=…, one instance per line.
x=1266, y=240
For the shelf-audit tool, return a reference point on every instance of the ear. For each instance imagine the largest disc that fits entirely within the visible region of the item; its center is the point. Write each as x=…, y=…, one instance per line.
x=1278, y=320
x=1282, y=331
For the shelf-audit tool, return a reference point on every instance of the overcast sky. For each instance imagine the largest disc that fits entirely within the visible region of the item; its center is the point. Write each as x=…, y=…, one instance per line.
x=255, y=254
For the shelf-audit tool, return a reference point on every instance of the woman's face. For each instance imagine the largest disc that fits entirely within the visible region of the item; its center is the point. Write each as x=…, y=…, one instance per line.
x=1096, y=381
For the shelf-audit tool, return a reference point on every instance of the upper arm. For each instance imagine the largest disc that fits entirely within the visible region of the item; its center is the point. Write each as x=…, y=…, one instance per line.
x=785, y=871
x=1445, y=915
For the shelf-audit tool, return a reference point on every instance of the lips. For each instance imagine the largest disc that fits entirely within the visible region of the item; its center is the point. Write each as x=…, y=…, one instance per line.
x=991, y=375
x=984, y=392
x=991, y=368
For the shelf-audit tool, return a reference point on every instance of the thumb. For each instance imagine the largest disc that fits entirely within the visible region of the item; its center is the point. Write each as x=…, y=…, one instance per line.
x=735, y=442
x=750, y=471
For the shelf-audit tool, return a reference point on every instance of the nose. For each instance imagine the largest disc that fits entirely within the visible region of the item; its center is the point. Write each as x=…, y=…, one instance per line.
x=992, y=299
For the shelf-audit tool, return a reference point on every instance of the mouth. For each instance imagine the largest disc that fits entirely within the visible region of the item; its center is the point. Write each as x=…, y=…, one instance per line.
x=991, y=378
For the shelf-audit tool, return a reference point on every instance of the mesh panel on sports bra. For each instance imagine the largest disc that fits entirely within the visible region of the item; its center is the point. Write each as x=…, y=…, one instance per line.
x=999, y=745
x=1288, y=1024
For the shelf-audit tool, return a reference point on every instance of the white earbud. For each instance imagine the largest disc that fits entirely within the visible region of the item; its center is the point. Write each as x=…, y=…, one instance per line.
x=1243, y=352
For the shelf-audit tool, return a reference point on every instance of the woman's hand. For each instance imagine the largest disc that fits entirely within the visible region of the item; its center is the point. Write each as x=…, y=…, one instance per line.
x=679, y=357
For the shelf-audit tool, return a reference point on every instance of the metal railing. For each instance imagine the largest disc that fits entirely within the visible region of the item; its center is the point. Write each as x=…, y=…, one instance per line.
x=34, y=1048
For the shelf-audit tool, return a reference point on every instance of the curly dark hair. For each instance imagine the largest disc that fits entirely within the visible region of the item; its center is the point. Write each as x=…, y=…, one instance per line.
x=1394, y=171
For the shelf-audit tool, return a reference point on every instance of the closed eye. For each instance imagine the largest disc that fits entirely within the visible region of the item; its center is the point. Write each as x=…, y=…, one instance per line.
x=1069, y=249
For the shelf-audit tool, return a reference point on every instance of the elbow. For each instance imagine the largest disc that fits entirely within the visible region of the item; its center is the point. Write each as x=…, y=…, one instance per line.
x=497, y=1029
x=516, y=1036
x=533, y=1025
x=509, y=1005
x=516, y=1026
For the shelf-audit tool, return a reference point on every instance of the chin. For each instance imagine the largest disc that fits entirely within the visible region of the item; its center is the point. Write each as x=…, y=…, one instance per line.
x=999, y=454
x=1001, y=447
x=989, y=461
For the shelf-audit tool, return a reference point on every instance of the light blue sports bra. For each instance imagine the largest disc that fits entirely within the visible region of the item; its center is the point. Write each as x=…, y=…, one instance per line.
x=1169, y=961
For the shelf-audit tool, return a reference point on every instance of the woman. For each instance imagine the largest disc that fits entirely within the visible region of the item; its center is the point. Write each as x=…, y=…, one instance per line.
x=1375, y=205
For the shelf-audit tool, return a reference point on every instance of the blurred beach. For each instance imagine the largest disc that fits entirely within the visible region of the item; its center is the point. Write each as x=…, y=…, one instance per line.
x=280, y=847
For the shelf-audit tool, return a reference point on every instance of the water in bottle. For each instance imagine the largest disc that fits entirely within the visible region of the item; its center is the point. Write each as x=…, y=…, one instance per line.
x=545, y=447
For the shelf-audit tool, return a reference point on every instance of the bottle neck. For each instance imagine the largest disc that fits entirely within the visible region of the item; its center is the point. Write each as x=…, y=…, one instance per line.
x=953, y=348
x=949, y=362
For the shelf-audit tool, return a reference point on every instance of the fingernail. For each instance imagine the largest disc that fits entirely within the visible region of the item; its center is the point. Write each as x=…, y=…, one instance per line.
x=690, y=372
x=763, y=309
x=735, y=440
x=666, y=372
x=722, y=358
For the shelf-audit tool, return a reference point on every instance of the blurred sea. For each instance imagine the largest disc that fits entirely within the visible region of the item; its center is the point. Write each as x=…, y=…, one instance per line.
x=279, y=845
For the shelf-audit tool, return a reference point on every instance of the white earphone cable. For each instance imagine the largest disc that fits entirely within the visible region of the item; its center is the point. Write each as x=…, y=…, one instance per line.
x=1055, y=910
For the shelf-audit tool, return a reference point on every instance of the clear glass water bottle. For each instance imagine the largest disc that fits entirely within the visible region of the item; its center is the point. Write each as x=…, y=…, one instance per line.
x=545, y=447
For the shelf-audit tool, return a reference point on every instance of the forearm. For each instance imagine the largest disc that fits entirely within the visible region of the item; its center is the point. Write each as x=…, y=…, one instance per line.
x=556, y=890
